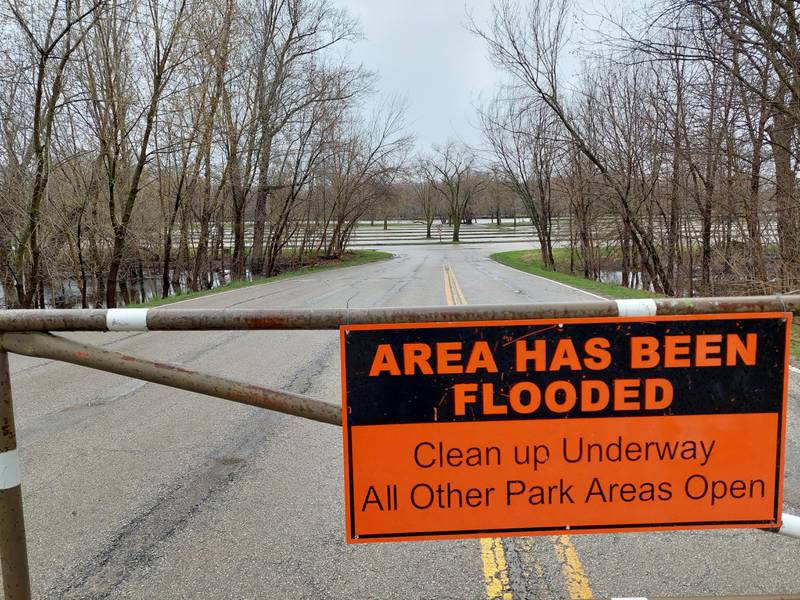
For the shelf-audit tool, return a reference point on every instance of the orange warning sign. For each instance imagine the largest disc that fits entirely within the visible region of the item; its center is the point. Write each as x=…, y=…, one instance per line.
x=575, y=425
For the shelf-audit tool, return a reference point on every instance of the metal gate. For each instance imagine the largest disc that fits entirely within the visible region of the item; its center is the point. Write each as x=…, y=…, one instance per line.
x=29, y=332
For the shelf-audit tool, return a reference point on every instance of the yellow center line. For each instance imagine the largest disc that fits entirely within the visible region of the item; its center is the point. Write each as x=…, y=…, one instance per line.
x=495, y=567
x=572, y=568
x=493, y=555
x=448, y=291
x=457, y=293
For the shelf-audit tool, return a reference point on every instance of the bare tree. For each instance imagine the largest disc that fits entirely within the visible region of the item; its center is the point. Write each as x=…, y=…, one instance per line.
x=524, y=137
x=50, y=38
x=452, y=173
x=124, y=119
x=289, y=36
x=425, y=196
x=366, y=157
x=527, y=42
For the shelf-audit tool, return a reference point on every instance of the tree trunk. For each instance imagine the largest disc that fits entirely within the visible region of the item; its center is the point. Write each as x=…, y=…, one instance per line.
x=237, y=266
x=625, y=245
x=706, y=239
x=780, y=138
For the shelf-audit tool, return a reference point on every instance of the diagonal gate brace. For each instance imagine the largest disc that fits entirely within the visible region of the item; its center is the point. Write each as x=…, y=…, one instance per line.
x=45, y=345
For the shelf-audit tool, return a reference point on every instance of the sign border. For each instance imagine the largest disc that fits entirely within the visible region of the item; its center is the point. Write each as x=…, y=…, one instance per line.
x=353, y=538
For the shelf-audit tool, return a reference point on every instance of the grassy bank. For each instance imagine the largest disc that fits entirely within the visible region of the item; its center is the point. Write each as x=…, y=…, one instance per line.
x=350, y=259
x=530, y=261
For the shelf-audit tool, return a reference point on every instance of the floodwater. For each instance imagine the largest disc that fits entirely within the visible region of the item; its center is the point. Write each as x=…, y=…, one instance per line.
x=615, y=277
x=68, y=295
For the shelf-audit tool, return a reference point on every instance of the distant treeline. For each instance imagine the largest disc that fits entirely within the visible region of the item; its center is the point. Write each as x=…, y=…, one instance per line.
x=133, y=131
x=683, y=126
x=198, y=141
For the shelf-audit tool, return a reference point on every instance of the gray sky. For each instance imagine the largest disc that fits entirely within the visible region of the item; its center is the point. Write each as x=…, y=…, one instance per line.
x=423, y=52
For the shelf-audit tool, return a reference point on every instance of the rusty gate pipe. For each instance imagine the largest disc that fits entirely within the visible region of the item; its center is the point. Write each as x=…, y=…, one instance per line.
x=58, y=348
x=333, y=318
x=181, y=319
x=13, y=548
x=53, y=320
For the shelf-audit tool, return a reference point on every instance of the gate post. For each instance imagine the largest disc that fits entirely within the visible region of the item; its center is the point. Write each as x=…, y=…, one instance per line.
x=13, y=549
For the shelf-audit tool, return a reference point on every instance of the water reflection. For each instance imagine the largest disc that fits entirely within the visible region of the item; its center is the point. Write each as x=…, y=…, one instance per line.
x=68, y=295
x=635, y=279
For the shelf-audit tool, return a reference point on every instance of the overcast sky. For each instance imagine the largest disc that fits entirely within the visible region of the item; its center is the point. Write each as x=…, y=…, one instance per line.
x=423, y=52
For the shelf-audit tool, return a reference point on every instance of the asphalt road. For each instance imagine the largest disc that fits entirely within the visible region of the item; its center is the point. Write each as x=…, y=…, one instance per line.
x=134, y=490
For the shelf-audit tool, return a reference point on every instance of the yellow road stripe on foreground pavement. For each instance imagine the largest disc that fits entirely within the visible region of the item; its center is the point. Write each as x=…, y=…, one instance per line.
x=448, y=288
x=572, y=568
x=495, y=567
x=455, y=290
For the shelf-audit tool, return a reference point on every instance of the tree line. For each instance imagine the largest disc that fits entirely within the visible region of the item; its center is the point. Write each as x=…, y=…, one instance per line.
x=670, y=155
x=675, y=145
x=138, y=137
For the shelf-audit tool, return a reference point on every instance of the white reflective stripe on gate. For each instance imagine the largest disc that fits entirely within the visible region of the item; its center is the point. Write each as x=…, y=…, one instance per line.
x=9, y=469
x=636, y=307
x=126, y=319
x=790, y=525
